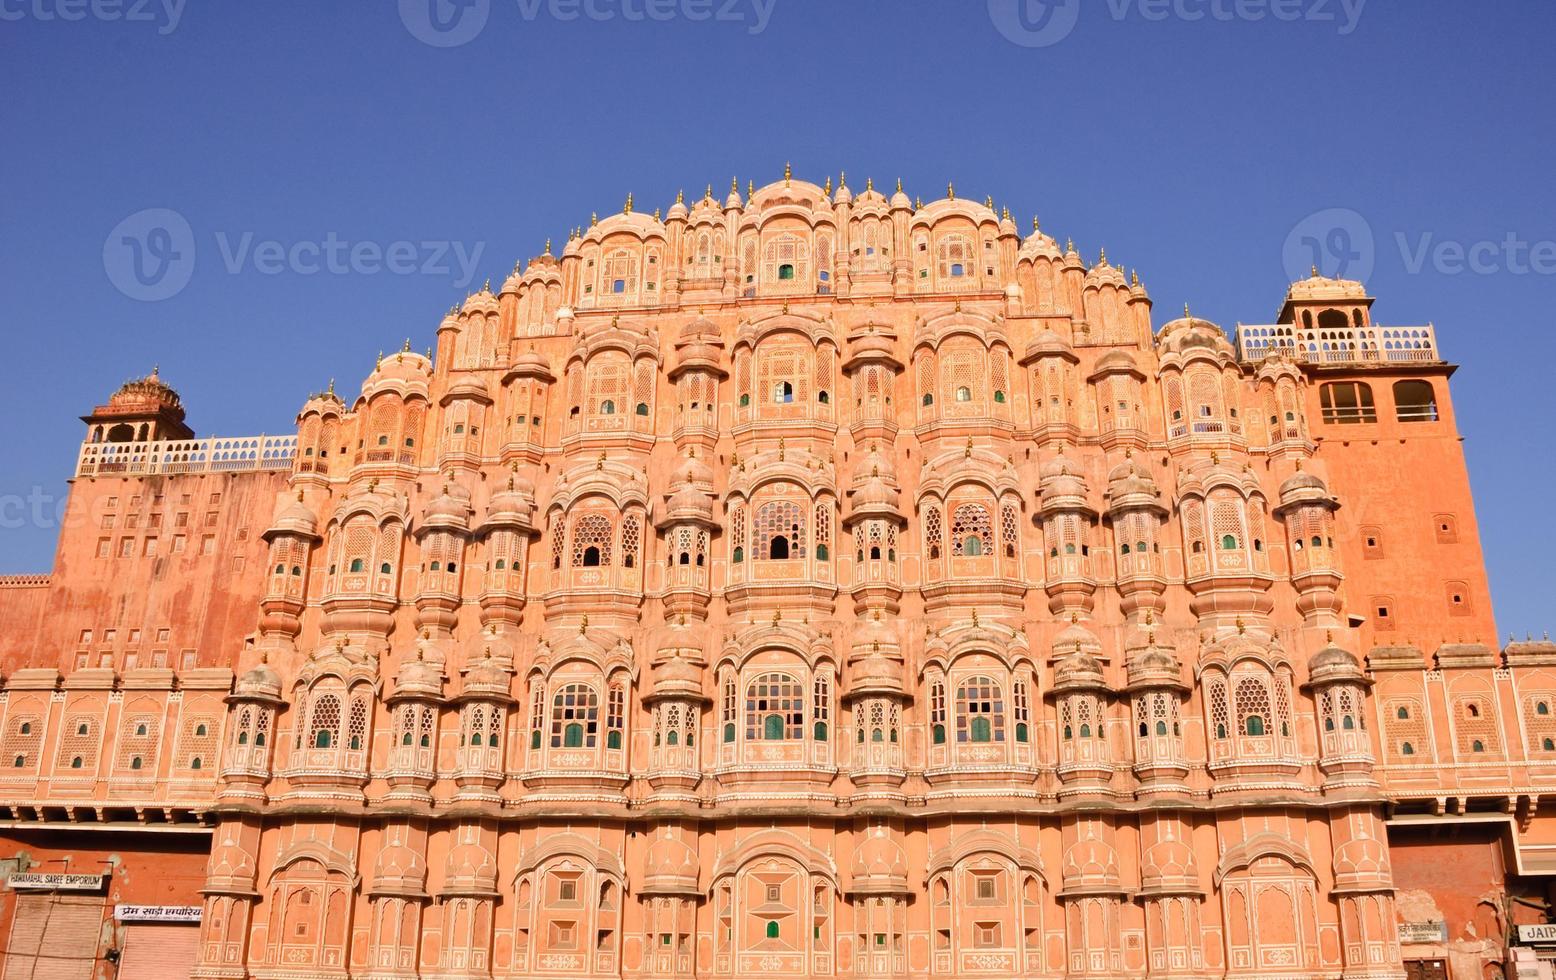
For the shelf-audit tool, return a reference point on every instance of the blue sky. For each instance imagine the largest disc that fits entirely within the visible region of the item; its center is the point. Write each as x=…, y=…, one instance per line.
x=1191, y=138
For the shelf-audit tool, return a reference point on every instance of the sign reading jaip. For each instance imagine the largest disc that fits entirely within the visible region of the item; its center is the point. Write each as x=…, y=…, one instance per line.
x=157, y=913
x=56, y=882
x=1542, y=935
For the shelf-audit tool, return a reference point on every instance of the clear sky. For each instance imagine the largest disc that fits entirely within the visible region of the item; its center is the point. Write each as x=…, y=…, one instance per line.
x=1191, y=138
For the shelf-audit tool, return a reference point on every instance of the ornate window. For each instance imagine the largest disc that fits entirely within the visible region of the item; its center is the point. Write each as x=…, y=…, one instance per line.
x=971, y=532
x=775, y=708
x=980, y=711
x=937, y=712
x=575, y=717
x=780, y=531
x=821, y=707
x=1253, y=707
x=932, y=531
x=615, y=716
x=591, y=541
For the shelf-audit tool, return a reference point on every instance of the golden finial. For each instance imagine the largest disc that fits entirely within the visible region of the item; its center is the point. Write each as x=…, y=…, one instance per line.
x=372, y=485
x=1134, y=277
x=788, y=174
x=869, y=183
x=918, y=203
x=680, y=195
x=750, y=188
x=950, y=191
x=628, y=208
x=777, y=616
x=827, y=189
x=1299, y=466
x=380, y=359
x=1150, y=617
x=968, y=453
x=548, y=247
x=299, y=496
x=1129, y=453
x=1075, y=618
x=988, y=202
x=734, y=185
x=1037, y=226
x=594, y=218
x=1242, y=627
x=1215, y=458
x=1315, y=272
x=332, y=387
x=407, y=348
x=1186, y=313
x=1329, y=636
x=975, y=618
x=615, y=321
x=656, y=214
x=1069, y=245
x=842, y=179
x=1104, y=259
x=899, y=185
x=429, y=353
x=599, y=464
x=958, y=306
x=1004, y=213
x=583, y=625
x=781, y=450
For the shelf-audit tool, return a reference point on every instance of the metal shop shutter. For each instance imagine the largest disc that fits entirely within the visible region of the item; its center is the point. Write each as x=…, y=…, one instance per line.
x=54, y=937
x=159, y=952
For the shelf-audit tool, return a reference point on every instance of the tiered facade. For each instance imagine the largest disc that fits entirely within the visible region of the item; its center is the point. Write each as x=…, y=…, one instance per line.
x=802, y=583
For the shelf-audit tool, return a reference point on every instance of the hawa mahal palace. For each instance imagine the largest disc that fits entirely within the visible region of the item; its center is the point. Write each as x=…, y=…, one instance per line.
x=807, y=582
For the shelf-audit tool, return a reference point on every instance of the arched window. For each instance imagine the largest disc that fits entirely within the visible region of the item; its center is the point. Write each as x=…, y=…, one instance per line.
x=1253, y=706
x=821, y=708
x=964, y=394
x=575, y=717
x=780, y=531
x=1415, y=401
x=592, y=541
x=775, y=708
x=325, y=721
x=783, y=393
x=785, y=273
x=980, y=711
x=972, y=533
x=607, y=407
x=937, y=712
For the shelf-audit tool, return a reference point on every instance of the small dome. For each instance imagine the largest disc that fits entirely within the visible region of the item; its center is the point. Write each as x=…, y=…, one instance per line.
x=530, y=363
x=678, y=209
x=879, y=859
x=1131, y=469
x=1190, y=332
x=418, y=678
x=1301, y=482
x=294, y=517
x=1332, y=657
x=688, y=503
x=261, y=680
x=486, y=677
x=481, y=302
x=1116, y=362
x=692, y=469
x=1079, y=670
x=671, y=865
x=451, y=508
x=1049, y=343
x=512, y=504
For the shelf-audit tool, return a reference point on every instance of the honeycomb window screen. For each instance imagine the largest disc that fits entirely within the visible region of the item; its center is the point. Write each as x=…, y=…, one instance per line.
x=23, y=739
x=1539, y=709
x=631, y=541
x=971, y=533
x=1010, y=530
x=575, y=717
x=558, y=533
x=78, y=745
x=780, y=531
x=932, y=532
x=775, y=708
x=592, y=541
x=324, y=722
x=1173, y=397
x=1475, y=725
x=1219, y=709
x=356, y=725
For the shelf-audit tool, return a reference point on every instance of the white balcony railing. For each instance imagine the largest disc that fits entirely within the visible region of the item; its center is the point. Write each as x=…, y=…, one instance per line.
x=177, y=456
x=1350, y=345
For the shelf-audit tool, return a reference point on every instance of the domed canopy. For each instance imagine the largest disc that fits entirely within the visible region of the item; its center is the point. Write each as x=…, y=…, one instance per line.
x=260, y=682
x=880, y=865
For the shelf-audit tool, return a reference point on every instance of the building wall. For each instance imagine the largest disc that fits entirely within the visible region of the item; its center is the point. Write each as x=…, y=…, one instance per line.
x=799, y=583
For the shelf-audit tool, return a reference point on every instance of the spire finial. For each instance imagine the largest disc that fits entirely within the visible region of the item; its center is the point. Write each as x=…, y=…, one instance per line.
x=583, y=625
x=1037, y=226
x=988, y=202
x=975, y=618
x=750, y=188
x=1315, y=272
x=628, y=208
x=407, y=348
x=548, y=247
x=827, y=189
x=842, y=179
x=788, y=174
x=1104, y=258
x=1186, y=313
x=734, y=185
x=708, y=193
x=680, y=196
x=869, y=183
x=899, y=185
x=950, y=190
x=332, y=386
x=656, y=214
x=1242, y=627
x=594, y=218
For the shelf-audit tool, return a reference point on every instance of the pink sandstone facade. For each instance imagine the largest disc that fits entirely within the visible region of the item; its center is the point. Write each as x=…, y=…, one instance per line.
x=807, y=583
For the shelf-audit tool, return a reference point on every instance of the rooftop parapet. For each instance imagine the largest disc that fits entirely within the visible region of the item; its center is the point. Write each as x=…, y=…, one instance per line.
x=1347, y=346
x=181, y=456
